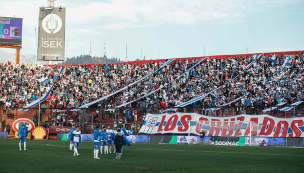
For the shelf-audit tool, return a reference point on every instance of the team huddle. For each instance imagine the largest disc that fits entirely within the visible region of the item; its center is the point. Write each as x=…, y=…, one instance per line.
x=102, y=139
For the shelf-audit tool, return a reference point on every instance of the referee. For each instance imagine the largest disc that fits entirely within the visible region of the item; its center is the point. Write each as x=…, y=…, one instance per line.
x=118, y=141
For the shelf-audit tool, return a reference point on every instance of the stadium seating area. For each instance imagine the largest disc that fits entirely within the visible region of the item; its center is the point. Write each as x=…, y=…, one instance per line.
x=266, y=81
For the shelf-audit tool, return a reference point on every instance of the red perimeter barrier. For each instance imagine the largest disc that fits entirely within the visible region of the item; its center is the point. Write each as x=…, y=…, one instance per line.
x=278, y=54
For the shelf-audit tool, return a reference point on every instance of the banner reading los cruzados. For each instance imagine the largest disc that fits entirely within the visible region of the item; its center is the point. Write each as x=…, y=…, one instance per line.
x=234, y=126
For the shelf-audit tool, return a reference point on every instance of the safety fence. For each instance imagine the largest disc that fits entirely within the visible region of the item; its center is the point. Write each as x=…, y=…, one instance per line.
x=131, y=118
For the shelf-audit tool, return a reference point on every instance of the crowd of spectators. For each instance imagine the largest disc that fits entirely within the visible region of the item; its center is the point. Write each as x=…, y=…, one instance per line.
x=266, y=81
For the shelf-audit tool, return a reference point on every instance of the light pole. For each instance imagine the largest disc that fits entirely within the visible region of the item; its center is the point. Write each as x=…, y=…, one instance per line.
x=39, y=101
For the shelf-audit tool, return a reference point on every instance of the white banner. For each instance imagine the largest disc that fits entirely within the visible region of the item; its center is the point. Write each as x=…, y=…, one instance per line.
x=234, y=126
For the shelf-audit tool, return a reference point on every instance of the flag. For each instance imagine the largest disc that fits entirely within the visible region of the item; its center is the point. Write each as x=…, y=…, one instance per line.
x=249, y=65
x=255, y=57
x=287, y=60
x=273, y=57
x=165, y=95
x=43, y=81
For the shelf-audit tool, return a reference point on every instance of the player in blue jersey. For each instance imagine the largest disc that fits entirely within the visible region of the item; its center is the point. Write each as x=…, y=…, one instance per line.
x=70, y=137
x=104, y=141
x=22, y=133
x=110, y=133
x=76, y=140
x=96, y=142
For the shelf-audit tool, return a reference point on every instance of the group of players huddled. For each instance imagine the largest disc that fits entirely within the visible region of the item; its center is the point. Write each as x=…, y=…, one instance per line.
x=102, y=138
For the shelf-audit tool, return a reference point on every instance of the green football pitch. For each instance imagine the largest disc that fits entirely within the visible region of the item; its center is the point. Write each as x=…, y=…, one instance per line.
x=54, y=156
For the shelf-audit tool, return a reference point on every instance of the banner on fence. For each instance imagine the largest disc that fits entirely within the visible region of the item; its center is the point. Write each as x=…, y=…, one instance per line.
x=59, y=129
x=234, y=126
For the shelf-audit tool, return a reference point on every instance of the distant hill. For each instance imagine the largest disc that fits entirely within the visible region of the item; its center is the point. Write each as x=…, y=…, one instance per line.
x=87, y=59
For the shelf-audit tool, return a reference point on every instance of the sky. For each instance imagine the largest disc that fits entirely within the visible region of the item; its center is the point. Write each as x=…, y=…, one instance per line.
x=161, y=29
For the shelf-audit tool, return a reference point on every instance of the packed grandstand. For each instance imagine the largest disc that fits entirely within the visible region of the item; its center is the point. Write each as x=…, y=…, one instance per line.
x=272, y=79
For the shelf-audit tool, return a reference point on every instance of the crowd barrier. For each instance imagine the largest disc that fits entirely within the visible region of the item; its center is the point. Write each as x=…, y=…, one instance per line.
x=131, y=118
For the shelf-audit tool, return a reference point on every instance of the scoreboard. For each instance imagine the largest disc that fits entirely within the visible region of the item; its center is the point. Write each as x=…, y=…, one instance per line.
x=10, y=31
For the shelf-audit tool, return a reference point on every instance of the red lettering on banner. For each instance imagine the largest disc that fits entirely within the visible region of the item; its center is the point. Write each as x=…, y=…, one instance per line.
x=184, y=122
x=270, y=126
x=216, y=129
x=237, y=132
x=254, y=126
x=168, y=127
x=224, y=132
x=160, y=127
x=279, y=127
x=199, y=125
x=295, y=128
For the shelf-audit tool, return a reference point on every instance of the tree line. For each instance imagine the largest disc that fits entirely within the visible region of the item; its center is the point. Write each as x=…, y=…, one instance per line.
x=87, y=59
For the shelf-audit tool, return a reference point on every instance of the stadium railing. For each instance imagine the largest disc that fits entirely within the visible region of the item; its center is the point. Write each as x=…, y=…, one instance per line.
x=133, y=117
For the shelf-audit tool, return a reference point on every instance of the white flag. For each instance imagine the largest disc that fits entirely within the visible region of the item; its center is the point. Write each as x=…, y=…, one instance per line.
x=273, y=57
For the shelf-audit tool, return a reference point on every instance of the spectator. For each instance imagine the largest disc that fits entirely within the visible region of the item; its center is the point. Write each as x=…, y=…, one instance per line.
x=47, y=128
x=202, y=135
x=8, y=128
x=85, y=128
x=92, y=128
x=3, y=125
x=34, y=118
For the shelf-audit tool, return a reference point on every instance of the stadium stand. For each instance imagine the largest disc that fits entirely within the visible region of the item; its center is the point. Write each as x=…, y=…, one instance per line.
x=271, y=80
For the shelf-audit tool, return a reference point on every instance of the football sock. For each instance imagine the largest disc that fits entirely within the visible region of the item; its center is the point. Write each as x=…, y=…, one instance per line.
x=71, y=146
x=25, y=145
x=100, y=149
x=74, y=151
x=110, y=148
x=106, y=149
x=94, y=153
x=20, y=145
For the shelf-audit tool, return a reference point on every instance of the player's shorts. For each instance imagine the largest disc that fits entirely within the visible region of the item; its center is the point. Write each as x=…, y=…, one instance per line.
x=22, y=139
x=71, y=140
x=96, y=144
x=103, y=143
x=76, y=144
x=110, y=142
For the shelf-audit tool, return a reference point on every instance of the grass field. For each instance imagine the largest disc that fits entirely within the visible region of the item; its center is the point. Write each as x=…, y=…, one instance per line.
x=54, y=156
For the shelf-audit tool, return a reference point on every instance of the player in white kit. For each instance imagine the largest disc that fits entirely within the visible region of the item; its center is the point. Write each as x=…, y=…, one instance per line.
x=76, y=140
x=110, y=133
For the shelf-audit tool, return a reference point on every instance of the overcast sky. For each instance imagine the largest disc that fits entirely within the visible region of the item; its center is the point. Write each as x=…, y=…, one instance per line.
x=177, y=28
